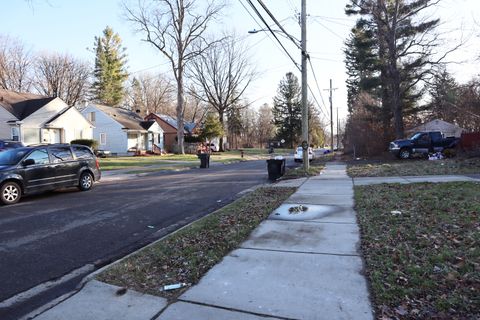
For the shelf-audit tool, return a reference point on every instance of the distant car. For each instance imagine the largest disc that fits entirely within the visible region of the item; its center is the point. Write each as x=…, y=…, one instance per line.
x=102, y=153
x=41, y=168
x=213, y=147
x=298, y=156
x=8, y=144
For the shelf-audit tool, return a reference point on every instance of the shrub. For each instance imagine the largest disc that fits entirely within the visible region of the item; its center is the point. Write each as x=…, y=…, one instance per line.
x=86, y=142
x=192, y=139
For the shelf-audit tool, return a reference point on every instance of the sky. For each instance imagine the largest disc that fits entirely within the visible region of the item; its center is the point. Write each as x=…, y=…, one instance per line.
x=69, y=26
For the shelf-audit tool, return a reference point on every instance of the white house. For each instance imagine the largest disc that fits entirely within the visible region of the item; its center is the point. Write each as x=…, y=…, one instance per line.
x=35, y=119
x=122, y=131
x=448, y=129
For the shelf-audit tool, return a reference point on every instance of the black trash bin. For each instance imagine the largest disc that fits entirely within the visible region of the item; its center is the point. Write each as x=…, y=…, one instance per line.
x=276, y=168
x=204, y=160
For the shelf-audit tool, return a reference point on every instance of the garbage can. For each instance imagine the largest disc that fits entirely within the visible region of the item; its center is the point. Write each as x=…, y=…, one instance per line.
x=276, y=168
x=204, y=160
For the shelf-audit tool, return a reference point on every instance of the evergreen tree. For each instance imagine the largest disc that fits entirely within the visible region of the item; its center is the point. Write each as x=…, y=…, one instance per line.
x=405, y=51
x=287, y=110
x=110, y=69
x=212, y=128
x=362, y=62
x=444, y=92
x=234, y=124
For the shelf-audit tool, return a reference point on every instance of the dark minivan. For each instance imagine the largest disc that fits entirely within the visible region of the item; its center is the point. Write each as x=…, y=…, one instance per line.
x=41, y=168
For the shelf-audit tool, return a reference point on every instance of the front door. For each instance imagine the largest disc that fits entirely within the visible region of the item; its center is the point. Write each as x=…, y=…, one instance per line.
x=55, y=136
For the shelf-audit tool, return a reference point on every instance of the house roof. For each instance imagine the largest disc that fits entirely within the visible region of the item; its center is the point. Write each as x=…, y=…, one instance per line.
x=128, y=119
x=438, y=124
x=21, y=105
x=147, y=124
x=188, y=126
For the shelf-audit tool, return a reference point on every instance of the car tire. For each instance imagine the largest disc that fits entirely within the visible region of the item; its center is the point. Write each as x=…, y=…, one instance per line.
x=10, y=193
x=405, y=153
x=85, y=182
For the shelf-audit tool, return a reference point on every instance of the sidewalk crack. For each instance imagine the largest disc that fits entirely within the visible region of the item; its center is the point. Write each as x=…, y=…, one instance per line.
x=303, y=252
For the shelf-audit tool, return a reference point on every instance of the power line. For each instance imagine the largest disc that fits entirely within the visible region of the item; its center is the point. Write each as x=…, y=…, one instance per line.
x=268, y=27
x=318, y=88
x=278, y=24
x=271, y=31
x=330, y=30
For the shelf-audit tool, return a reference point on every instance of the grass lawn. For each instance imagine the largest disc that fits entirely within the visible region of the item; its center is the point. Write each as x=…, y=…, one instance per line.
x=421, y=244
x=185, y=256
x=414, y=167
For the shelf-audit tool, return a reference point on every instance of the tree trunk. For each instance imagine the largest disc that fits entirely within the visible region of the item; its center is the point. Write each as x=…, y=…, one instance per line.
x=220, y=119
x=180, y=102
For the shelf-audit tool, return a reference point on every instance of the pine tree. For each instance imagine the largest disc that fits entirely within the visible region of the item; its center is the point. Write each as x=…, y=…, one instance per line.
x=287, y=110
x=444, y=93
x=212, y=128
x=405, y=51
x=110, y=69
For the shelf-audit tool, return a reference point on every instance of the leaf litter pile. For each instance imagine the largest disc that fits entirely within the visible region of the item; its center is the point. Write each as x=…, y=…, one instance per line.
x=182, y=258
x=421, y=244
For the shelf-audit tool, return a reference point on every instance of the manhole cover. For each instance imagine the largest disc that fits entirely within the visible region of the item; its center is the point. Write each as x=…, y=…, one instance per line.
x=292, y=211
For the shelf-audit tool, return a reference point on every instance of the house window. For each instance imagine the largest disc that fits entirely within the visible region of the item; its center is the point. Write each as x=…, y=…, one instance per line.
x=15, y=134
x=91, y=117
x=103, y=138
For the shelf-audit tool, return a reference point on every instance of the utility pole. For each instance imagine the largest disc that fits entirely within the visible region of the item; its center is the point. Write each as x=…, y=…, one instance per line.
x=305, y=143
x=338, y=134
x=331, y=115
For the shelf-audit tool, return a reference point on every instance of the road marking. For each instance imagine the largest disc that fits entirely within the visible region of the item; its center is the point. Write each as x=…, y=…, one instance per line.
x=26, y=295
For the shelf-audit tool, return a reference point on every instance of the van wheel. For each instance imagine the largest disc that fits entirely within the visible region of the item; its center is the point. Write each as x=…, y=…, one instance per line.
x=86, y=181
x=405, y=153
x=10, y=193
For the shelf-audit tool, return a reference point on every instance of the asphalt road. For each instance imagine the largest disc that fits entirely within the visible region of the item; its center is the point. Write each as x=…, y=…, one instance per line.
x=48, y=236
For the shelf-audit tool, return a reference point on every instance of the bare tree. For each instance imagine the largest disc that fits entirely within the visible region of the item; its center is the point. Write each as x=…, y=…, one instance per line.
x=151, y=94
x=176, y=29
x=63, y=76
x=15, y=65
x=221, y=75
x=265, y=126
x=195, y=109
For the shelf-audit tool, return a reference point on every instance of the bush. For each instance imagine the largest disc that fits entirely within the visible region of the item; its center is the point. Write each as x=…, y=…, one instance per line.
x=192, y=139
x=86, y=142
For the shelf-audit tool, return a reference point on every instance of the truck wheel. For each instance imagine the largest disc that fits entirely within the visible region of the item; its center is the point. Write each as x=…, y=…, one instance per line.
x=405, y=153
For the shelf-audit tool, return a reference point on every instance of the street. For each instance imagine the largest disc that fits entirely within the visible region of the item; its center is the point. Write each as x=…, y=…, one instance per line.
x=46, y=237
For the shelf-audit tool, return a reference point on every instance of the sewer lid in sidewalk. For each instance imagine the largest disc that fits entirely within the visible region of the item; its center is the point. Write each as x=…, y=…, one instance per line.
x=295, y=211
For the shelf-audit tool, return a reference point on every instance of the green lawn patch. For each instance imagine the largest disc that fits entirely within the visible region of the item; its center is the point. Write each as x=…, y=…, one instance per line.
x=414, y=167
x=299, y=172
x=421, y=248
x=185, y=256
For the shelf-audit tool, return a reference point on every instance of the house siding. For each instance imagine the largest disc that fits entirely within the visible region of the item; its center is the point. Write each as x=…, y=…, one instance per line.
x=74, y=125
x=116, y=137
x=169, y=132
x=5, y=128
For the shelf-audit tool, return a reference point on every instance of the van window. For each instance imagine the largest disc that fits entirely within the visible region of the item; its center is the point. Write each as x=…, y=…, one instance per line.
x=40, y=156
x=60, y=154
x=82, y=152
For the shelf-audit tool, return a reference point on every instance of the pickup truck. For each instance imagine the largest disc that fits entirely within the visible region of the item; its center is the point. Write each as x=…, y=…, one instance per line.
x=423, y=143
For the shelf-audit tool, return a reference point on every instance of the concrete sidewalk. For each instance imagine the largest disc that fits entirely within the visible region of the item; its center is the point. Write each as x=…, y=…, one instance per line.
x=295, y=265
